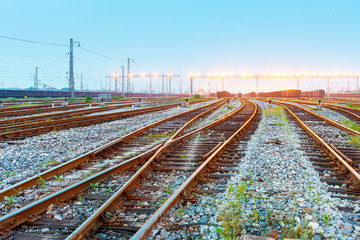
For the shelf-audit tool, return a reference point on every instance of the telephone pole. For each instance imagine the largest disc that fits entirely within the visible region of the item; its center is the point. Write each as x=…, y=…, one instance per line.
x=81, y=83
x=162, y=84
x=116, y=82
x=150, y=85
x=36, y=80
x=71, y=69
x=122, y=79
x=169, y=83
x=128, y=76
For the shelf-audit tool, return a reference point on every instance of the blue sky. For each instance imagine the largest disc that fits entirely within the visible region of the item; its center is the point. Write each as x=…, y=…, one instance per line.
x=181, y=36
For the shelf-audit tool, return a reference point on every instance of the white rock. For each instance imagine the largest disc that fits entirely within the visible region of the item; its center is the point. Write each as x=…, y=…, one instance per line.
x=300, y=200
x=58, y=217
x=314, y=225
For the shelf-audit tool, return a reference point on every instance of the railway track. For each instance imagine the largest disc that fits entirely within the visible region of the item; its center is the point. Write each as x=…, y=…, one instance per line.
x=115, y=174
x=15, y=122
x=132, y=140
x=137, y=141
x=352, y=113
x=146, y=191
x=342, y=158
x=218, y=166
x=31, y=129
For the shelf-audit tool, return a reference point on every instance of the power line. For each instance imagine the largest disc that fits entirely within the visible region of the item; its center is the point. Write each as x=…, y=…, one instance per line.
x=53, y=61
x=102, y=55
x=31, y=41
x=25, y=56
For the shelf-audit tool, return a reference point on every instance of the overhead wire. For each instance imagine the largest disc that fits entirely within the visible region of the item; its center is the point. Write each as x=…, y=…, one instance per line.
x=102, y=55
x=36, y=42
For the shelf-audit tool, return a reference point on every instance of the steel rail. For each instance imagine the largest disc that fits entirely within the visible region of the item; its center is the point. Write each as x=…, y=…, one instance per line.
x=21, y=215
x=52, y=116
x=338, y=108
x=342, y=163
x=151, y=223
x=82, y=121
x=332, y=106
x=338, y=125
x=94, y=221
x=34, y=180
x=56, y=104
x=87, y=118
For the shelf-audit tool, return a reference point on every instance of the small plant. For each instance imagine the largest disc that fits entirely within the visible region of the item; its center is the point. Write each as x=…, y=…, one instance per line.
x=326, y=218
x=88, y=99
x=59, y=178
x=182, y=155
x=6, y=173
x=98, y=165
x=94, y=185
x=109, y=190
x=42, y=182
x=10, y=200
x=80, y=198
x=18, y=192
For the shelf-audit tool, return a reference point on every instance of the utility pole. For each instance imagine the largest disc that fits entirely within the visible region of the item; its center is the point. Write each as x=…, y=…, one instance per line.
x=297, y=83
x=328, y=87
x=81, y=82
x=36, y=80
x=162, y=85
x=209, y=89
x=180, y=87
x=223, y=87
x=128, y=76
x=116, y=82
x=191, y=86
x=122, y=79
x=71, y=69
x=169, y=82
x=150, y=84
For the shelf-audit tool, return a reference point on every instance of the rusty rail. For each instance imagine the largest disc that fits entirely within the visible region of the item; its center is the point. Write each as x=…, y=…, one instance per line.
x=151, y=223
x=340, y=161
x=334, y=107
x=94, y=221
x=21, y=215
x=81, y=121
x=71, y=113
x=11, y=190
x=338, y=125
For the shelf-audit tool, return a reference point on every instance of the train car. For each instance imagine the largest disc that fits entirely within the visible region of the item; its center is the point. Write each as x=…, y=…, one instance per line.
x=319, y=93
x=223, y=94
x=239, y=94
x=251, y=94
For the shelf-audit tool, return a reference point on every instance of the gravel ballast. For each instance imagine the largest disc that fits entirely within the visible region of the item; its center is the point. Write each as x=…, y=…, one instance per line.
x=24, y=158
x=276, y=187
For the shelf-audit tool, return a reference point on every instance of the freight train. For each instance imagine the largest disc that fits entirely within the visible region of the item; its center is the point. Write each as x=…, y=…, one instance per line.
x=222, y=94
x=288, y=93
x=65, y=94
